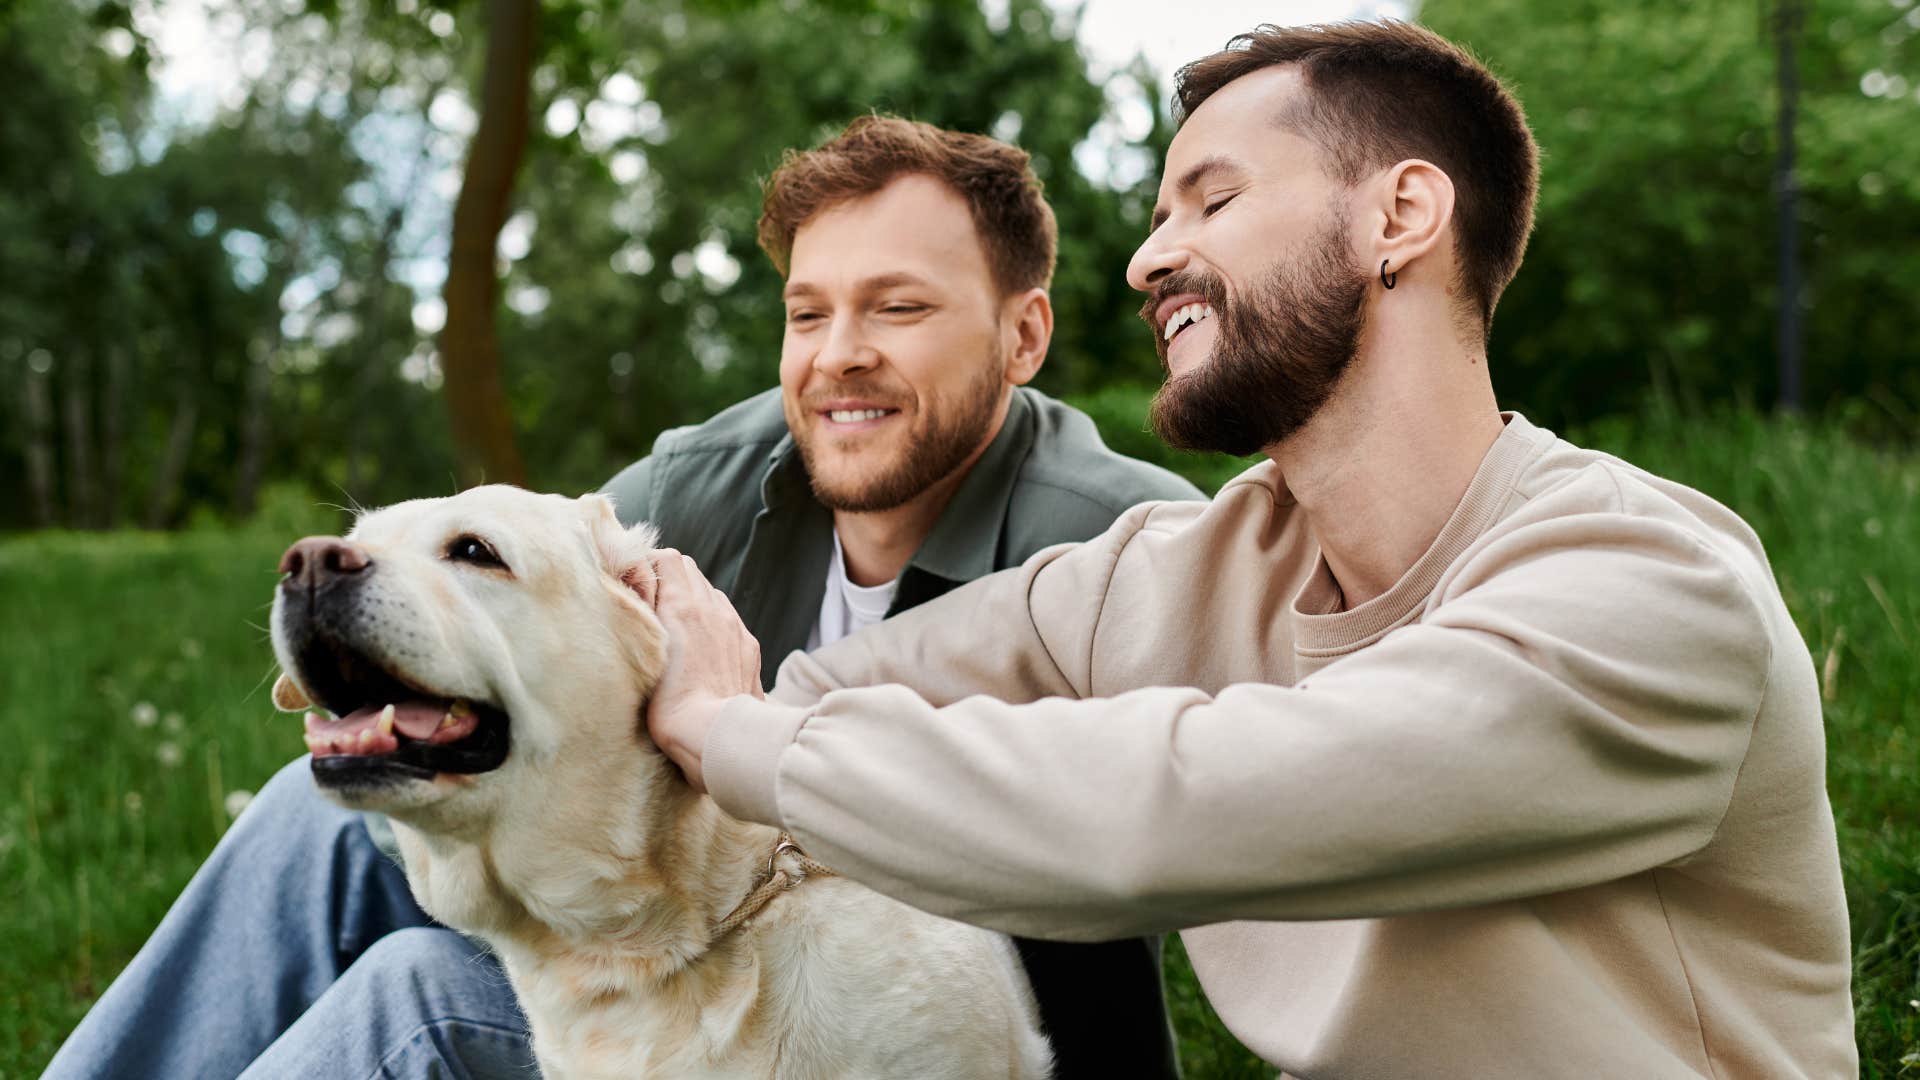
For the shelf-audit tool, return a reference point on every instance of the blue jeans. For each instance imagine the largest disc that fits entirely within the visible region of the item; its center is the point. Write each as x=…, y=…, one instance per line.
x=298, y=951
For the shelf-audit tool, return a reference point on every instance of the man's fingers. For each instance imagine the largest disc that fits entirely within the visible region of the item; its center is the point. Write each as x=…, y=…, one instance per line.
x=678, y=577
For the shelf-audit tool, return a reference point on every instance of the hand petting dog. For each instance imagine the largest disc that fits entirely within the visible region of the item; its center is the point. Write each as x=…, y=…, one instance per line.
x=710, y=658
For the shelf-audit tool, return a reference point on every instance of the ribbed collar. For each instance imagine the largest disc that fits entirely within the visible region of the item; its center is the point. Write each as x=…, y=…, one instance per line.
x=1321, y=631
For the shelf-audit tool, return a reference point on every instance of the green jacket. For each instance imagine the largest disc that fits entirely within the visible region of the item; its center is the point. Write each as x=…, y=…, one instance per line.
x=733, y=493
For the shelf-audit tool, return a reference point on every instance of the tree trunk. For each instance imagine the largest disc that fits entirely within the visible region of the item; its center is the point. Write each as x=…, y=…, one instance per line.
x=113, y=435
x=482, y=424
x=39, y=409
x=166, y=482
x=253, y=427
x=368, y=348
x=79, y=415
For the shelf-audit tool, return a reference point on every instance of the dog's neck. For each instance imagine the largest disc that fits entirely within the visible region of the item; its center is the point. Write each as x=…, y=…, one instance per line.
x=634, y=869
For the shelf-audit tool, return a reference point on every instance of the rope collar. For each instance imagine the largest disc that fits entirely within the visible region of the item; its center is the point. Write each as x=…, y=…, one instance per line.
x=774, y=880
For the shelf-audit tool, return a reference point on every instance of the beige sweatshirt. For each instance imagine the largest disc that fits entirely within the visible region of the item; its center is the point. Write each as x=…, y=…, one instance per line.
x=1554, y=805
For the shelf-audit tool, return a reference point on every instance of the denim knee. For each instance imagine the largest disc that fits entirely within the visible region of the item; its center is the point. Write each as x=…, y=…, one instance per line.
x=406, y=955
x=289, y=802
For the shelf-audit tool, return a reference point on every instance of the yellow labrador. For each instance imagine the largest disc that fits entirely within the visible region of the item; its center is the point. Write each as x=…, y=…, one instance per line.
x=478, y=666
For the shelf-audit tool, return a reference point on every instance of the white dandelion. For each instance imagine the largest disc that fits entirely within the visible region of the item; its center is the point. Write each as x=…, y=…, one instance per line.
x=237, y=801
x=169, y=754
x=145, y=715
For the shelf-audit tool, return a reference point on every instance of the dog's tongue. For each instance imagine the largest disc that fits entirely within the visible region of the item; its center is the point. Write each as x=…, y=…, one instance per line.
x=365, y=732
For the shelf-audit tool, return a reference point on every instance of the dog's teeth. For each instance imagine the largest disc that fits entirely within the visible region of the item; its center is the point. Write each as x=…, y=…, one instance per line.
x=386, y=720
x=460, y=709
x=312, y=720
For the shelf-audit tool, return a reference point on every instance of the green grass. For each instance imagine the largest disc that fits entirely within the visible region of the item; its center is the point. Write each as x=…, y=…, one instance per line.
x=103, y=817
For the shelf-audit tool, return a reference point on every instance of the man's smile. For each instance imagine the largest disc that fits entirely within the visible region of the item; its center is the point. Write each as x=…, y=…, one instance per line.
x=851, y=416
x=1191, y=343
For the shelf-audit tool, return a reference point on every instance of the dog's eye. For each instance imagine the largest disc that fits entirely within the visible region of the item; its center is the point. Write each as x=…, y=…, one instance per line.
x=472, y=549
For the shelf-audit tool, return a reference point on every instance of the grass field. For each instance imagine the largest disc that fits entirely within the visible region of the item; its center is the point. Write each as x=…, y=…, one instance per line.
x=133, y=709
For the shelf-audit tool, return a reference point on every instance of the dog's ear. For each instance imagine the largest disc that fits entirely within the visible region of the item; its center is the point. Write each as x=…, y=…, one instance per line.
x=624, y=553
x=287, y=695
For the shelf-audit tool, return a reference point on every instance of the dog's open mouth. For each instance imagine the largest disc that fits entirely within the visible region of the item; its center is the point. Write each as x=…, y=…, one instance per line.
x=379, y=727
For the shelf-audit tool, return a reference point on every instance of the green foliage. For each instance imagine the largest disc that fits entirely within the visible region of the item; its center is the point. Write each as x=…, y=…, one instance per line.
x=193, y=309
x=101, y=824
x=638, y=336
x=1654, y=259
x=243, y=290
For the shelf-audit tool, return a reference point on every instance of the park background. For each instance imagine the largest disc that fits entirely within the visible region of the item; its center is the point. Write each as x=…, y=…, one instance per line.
x=226, y=311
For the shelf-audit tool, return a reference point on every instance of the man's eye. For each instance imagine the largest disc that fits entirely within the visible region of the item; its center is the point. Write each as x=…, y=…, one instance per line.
x=802, y=318
x=472, y=549
x=903, y=309
x=1214, y=207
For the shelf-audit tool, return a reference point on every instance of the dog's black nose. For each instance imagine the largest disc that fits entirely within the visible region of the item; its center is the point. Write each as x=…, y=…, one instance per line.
x=319, y=560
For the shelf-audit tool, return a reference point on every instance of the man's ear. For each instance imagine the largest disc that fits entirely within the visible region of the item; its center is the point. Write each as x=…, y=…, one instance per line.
x=1031, y=317
x=287, y=695
x=1412, y=213
x=624, y=553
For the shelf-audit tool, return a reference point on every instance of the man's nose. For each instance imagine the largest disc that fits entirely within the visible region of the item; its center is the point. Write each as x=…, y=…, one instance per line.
x=845, y=353
x=320, y=560
x=1154, y=260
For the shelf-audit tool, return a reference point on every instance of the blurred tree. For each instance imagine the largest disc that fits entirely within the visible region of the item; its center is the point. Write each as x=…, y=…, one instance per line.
x=208, y=305
x=643, y=296
x=469, y=347
x=1654, y=258
x=196, y=308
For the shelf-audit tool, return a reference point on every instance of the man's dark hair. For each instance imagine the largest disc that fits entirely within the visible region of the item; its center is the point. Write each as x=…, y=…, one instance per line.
x=1381, y=92
x=1015, y=224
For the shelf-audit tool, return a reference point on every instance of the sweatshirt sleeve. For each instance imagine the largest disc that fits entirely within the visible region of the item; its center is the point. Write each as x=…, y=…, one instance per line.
x=980, y=639
x=1574, y=709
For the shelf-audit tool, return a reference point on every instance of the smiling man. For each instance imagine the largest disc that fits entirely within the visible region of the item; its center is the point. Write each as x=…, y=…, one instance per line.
x=901, y=456
x=1455, y=749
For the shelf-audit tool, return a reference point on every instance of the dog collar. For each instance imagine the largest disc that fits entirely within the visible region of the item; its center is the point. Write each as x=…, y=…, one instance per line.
x=776, y=879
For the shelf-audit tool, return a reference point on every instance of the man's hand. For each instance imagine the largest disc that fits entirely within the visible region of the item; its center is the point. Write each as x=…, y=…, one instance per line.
x=710, y=658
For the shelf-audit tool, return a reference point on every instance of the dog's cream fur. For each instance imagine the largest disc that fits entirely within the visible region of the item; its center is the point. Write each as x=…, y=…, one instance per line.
x=594, y=871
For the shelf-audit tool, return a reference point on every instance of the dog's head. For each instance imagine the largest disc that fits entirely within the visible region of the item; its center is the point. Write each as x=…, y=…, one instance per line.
x=451, y=649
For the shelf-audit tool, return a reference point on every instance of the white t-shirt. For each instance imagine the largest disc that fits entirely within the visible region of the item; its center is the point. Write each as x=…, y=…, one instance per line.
x=847, y=607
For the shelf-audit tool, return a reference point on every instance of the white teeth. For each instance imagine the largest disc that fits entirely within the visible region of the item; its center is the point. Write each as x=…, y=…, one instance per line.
x=386, y=720
x=850, y=416
x=1192, y=313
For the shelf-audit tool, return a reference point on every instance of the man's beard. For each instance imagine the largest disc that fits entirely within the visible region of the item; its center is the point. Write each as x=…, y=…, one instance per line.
x=950, y=431
x=1278, y=354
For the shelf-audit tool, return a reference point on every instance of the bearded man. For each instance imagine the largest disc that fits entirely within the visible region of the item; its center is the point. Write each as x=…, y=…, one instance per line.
x=901, y=455
x=1454, y=749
